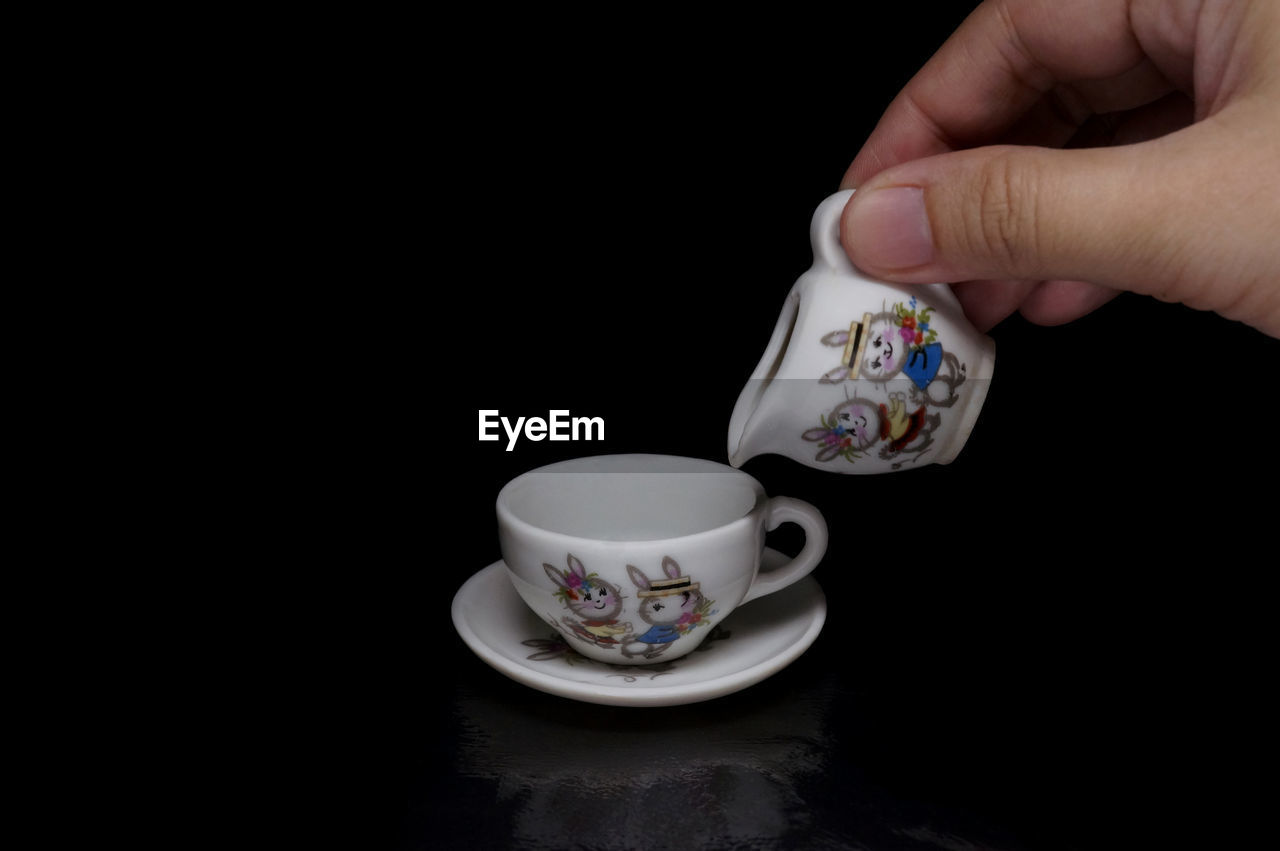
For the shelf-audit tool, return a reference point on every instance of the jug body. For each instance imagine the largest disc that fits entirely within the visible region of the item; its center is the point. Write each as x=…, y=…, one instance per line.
x=862, y=376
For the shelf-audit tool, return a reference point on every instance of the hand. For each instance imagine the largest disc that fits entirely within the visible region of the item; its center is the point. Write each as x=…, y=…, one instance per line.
x=1052, y=154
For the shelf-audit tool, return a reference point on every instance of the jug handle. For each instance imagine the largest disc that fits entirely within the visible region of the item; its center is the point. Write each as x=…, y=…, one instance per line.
x=824, y=233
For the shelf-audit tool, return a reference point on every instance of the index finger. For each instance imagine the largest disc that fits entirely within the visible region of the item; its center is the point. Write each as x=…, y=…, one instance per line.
x=994, y=68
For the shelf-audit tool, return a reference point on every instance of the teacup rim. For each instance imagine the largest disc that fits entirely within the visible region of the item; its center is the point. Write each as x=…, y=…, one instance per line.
x=506, y=515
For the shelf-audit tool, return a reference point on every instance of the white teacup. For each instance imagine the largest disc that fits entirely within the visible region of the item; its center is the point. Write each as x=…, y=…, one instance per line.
x=634, y=558
x=860, y=375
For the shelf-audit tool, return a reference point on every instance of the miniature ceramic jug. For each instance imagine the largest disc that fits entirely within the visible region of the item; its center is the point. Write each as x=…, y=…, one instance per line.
x=862, y=376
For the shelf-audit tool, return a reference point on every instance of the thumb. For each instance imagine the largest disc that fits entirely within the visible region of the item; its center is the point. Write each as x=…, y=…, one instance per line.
x=1121, y=217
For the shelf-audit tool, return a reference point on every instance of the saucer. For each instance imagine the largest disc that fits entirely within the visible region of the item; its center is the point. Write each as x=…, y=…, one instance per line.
x=753, y=643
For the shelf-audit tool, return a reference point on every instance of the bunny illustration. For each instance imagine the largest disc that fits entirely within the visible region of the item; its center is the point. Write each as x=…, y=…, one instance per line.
x=596, y=604
x=856, y=425
x=884, y=345
x=671, y=607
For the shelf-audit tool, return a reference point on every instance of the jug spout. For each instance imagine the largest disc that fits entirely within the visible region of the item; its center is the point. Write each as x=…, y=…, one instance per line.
x=771, y=411
x=740, y=450
x=741, y=455
x=752, y=425
x=744, y=442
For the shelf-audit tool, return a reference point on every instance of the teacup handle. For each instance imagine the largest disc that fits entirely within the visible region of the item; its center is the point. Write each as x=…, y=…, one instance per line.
x=784, y=509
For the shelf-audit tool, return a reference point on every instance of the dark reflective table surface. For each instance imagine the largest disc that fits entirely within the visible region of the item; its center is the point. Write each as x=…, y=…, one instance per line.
x=1068, y=654
x=1062, y=640
x=1003, y=724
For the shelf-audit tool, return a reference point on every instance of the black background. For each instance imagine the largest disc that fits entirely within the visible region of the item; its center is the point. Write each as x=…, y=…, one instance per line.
x=1057, y=642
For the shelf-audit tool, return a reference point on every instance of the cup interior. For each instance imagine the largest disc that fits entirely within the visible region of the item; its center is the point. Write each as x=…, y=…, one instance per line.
x=629, y=497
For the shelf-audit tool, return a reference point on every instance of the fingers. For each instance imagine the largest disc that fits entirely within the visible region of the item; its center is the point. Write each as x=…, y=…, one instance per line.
x=1159, y=217
x=1059, y=302
x=1006, y=213
x=1167, y=115
x=987, y=303
x=1178, y=210
x=995, y=68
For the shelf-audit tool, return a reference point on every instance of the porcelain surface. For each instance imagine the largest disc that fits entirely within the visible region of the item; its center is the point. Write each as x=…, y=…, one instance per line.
x=754, y=643
x=862, y=376
x=634, y=559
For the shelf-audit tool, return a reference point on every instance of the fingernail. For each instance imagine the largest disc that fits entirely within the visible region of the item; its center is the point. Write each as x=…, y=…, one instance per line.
x=889, y=229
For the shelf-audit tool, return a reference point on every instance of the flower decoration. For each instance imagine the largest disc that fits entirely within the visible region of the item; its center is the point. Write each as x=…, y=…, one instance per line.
x=575, y=585
x=692, y=620
x=913, y=324
x=838, y=439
